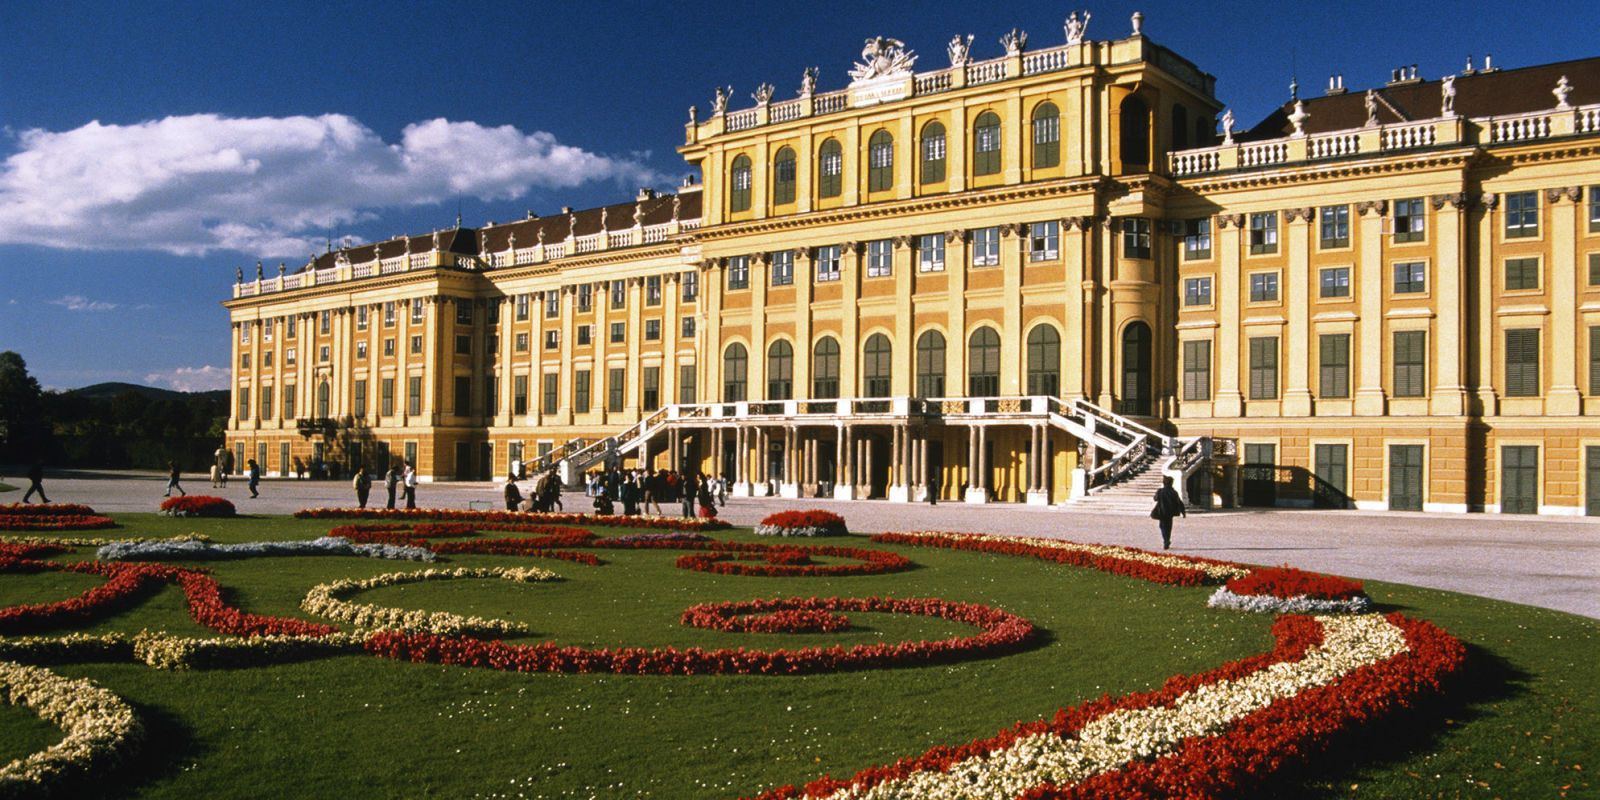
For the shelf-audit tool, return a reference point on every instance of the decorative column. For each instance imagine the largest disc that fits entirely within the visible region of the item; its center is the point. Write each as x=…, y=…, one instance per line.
x=741, y=475
x=1450, y=335
x=843, y=484
x=1563, y=399
x=789, y=486
x=898, y=491
x=1369, y=278
x=977, y=477
x=1297, y=305
x=1229, y=400
x=1038, y=491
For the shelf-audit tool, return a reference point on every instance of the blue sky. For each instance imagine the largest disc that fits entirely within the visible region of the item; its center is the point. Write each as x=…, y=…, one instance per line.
x=230, y=132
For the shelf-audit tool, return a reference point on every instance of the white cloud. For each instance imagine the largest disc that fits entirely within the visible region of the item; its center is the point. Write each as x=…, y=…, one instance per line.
x=191, y=379
x=266, y=186
x=77, y=302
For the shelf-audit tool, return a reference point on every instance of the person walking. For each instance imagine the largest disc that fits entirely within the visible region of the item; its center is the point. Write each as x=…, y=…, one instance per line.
x=701, y=491
x=513, y=493
x=172, y=479
x=253, y=472
x=689, y=488
x=216, y=476
x=363, y=486
x=391, y=479
x=1168, y=505
x=410, y=480
x=36, y=483
x=933, y=487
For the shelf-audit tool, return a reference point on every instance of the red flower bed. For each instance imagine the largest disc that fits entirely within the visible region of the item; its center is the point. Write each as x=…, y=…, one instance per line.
x=1155, y=573
x=196, y=505
x=873, y=562
x=124, y=582
x=8, y=550
x=206, y=606
x=516, y=517
x=1001, y=633
x=61, y=522
x=766, y=616
x=813, y=518
x=1289, y=731
x=1287, y=582
x=45, y=510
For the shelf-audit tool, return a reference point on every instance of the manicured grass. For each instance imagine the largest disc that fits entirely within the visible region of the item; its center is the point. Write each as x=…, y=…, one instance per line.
x=365, y=726
x=6, y=487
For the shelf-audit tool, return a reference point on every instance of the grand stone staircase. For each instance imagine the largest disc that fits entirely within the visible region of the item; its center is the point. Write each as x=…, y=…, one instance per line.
x=1133, y=494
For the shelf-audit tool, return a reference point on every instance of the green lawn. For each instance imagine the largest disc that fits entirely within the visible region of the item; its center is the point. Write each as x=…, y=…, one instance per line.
x=364, y=726
x=6, y=487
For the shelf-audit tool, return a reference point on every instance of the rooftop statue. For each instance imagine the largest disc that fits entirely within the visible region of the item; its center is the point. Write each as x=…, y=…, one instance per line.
x=808, y=82
x=960, y=50
x=882, y=56
x=1076, y=28
x=1447, y=96
x=719, y=103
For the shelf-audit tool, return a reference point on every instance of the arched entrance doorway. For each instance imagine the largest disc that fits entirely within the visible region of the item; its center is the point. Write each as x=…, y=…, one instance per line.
x=1136, y=369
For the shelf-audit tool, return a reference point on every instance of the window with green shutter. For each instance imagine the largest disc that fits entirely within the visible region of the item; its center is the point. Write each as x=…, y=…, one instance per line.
x=1522, y=273
x=1197, y=370
x=1594, y=360
x=1522, y=362
x=1335, y=364
x=1410, y=363
x=1264, y=368
x=986, y=144
x=1332, y=466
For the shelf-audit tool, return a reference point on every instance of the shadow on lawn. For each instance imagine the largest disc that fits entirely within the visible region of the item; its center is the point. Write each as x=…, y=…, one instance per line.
x=167, y=747
x=1485, y=680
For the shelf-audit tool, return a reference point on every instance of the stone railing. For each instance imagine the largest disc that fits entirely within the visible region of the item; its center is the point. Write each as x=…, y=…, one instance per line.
x=1046, y=60
x=1378, y=139
x=986, y=72
x=787, y=110
x=933, y=82
x=830, y=103
x=743, y=120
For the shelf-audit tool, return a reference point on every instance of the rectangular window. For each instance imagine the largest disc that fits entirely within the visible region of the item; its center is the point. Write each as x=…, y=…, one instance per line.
x=1409, y=223
x=361, y=318
x=1334, y=361
x=1264, y=233
x=828, y=263
x=782, y=268
x=463, y=387
x=1197, y=370
x=652, y=388
x=325, y=322
x=619, y=294
x=616, y=387
x=1410, y=363
x=652, y=330
x=414, y=395
x=1197, y=292
x=552, y=304
x=1044, y=241
x=244, y=405
x=1197, y=239
x=385, y=398
x=411, y=453
x=290, y=326
x=930, y=253
x=323, y=353
x=244, y=361
x=360, y=399
x=1263, y=287
x=463, y=313
x=1594, y=209
x=552, y=393
x=986, y=247
x=1334, y=282
x=686, y=383
x=1264, y=368
x=491, y=395
x=1410, y=277
x=388, y=314
x=580, y=391
x=289, y=395
x=1332, y=466
x=1136, y=237
x=521, y=343
x=266, y=359
x=1522, y=215
x=266, y=330
x=1594, y=360
x=552, y=340
x=266, y=402
x=416, y=348
x=1594, y=269
x=1522, y=274
x=519, y=395
x=652, y=290
x=361, y=351
x=416, y=314
x=585, y=297
x=619, y=332
x=689, y=286
x=1522, y=363
x=463, y=346
x=687, y=329
x=739, y=272
x=585, y=335
x=244, y=333
x=880, y=258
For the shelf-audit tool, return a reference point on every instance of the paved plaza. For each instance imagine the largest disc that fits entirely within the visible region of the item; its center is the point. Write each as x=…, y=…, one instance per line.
x=1541, y=561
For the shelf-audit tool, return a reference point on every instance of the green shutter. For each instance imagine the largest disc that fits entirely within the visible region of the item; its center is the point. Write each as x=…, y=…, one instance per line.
x=1522, y=363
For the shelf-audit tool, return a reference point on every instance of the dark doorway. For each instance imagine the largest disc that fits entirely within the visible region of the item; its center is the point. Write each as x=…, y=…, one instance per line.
x=934, y=479
x=1136, y=369
x=464, y=461
x=878, y=480
x=1519, y=480
x=1260, y=475
x=1405, y=477
x=730, y=457
x=1592, y=481
x=486, y=461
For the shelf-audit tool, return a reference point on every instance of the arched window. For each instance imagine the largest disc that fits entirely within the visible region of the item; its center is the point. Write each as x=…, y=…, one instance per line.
x=1044, y=361
x=825, y=369
x=877, y=366
x=983, y=363
x=880, y=162
x=1180, y=128
x=780, y=371
x=930, y=364
x=933, y=153
x=735, y=369
x=783, y=177
x=1135, y=133
x=1046, y=136
x=1136, y=369
x=739, y=185
x=322, y=400
x=986, y=144
x=830, y=169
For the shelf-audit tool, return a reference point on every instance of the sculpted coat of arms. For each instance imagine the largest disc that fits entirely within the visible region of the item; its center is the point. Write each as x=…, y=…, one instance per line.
x=883, y=56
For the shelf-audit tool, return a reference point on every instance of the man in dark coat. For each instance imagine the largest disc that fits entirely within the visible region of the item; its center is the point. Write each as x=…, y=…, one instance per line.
x=1168, y=505
x=36, y=482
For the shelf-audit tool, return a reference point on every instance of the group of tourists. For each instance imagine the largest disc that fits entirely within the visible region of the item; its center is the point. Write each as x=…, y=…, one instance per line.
x=399, y=483
x=543, y=495
x=645, y=490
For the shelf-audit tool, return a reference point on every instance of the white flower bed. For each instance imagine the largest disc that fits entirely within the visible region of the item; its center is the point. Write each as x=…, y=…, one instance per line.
x=168, y=550
x=809, y=530
x=1299, y=604
x=328, y=600
x=165, y=651
x=86, y=541
x=101, y=730
x=1217, y=571
x=1111, y=741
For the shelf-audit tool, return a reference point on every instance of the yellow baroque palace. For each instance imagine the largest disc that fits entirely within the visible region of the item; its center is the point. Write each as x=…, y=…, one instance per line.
x=1043, y=277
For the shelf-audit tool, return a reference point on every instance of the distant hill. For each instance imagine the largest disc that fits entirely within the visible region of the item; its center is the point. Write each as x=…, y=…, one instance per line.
x=113, y=390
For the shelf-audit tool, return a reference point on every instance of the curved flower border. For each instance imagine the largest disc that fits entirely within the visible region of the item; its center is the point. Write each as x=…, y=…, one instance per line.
x=167, y=550
x=328, y=600
x=101, y=729
x=767, y=616
x=1223, y=597
x=516, y=517
x=1132, y=562
x=812, y=522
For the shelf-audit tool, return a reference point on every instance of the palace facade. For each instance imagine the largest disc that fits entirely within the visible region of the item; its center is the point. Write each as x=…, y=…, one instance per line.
x=1042, y=277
